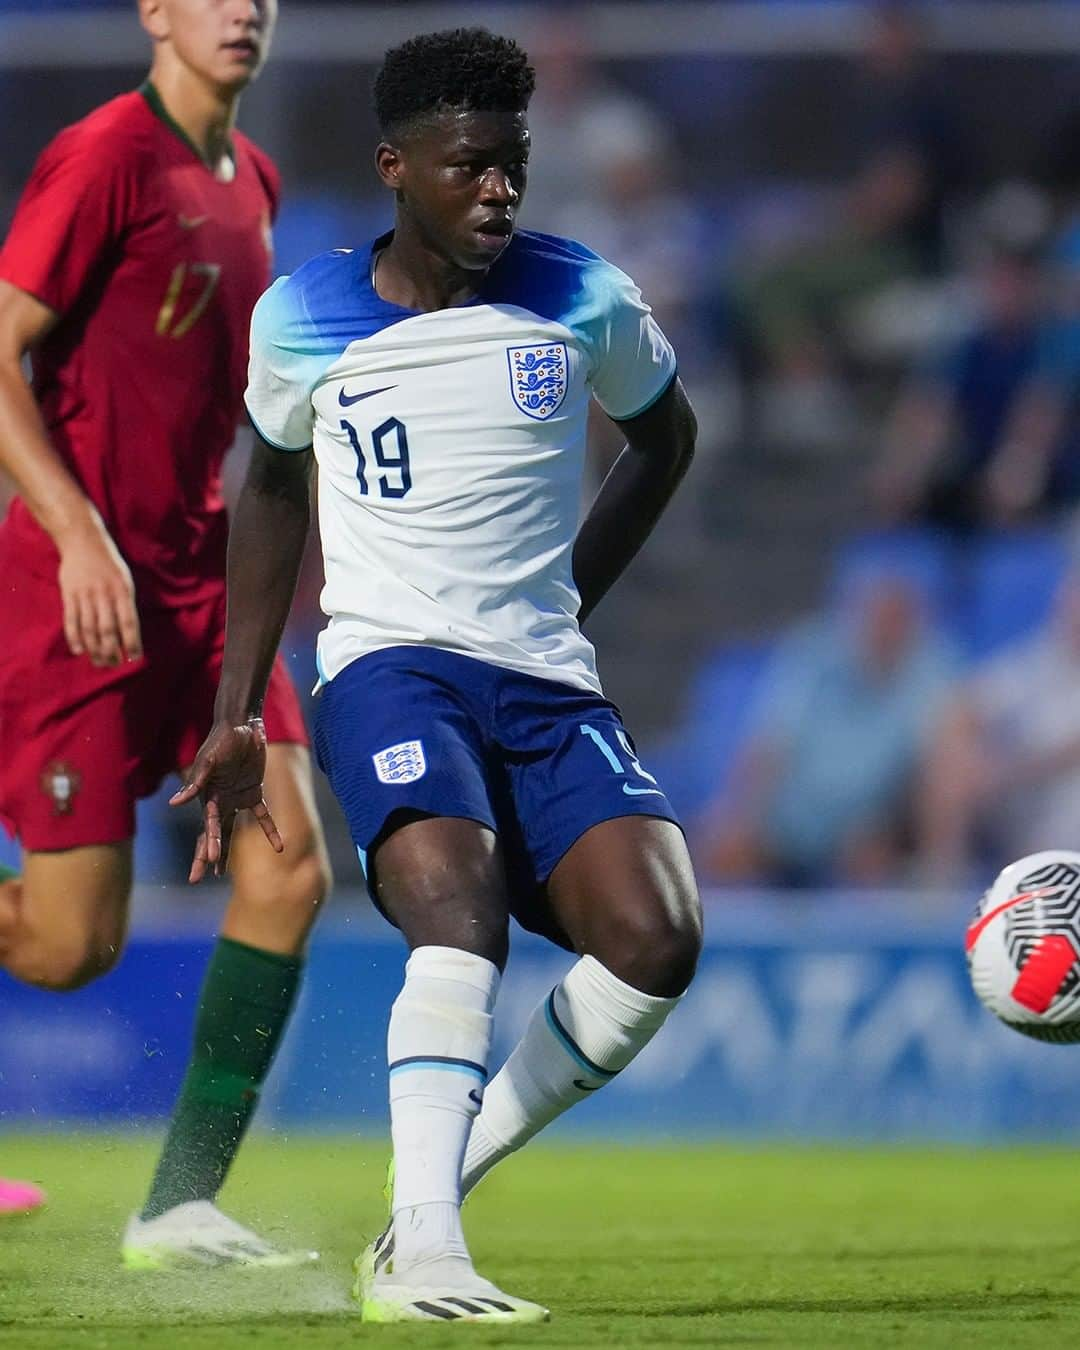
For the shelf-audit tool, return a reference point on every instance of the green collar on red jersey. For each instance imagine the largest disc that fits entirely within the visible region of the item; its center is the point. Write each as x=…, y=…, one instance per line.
x=158, y=108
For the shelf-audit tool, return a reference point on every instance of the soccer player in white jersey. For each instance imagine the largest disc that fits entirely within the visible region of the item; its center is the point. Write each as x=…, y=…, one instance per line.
x=441, y=378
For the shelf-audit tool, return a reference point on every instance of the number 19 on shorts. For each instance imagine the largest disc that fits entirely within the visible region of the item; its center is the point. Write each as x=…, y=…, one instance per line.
x=611, y=755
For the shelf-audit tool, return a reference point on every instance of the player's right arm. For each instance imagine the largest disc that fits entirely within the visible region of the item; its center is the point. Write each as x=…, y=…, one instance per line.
x=95, y=583
x=70, y=220
x=266, y=547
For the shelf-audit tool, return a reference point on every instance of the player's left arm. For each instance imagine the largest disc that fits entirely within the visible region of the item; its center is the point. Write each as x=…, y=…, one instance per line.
x=659, y=448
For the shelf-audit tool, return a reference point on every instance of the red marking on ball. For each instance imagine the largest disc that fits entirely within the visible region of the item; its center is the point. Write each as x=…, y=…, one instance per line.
x=974, y=932
x=1044, y=972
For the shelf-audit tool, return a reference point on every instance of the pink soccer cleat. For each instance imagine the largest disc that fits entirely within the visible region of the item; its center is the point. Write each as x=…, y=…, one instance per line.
x=19, y=1197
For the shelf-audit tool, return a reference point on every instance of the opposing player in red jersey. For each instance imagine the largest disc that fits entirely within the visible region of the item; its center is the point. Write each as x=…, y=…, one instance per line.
x=136, y=254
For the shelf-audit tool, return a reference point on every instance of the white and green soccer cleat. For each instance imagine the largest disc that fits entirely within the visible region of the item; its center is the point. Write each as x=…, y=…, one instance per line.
x=384, y=1297
x=198, y=1234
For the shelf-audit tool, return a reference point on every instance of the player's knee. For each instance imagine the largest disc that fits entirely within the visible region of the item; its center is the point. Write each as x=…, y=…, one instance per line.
x=296, y=889
x=455, y=917
x=65, y=965
x=655, y=948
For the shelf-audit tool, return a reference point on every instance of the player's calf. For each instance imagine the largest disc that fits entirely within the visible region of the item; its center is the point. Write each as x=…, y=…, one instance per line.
x=277, y=896
x=275, y=910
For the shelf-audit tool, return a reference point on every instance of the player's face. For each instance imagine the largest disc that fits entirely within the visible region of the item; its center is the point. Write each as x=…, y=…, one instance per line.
x=224, y=42
x=460, y=182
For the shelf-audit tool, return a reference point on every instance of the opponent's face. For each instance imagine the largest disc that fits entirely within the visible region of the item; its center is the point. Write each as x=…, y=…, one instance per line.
x=459, y=181
x=225, y=42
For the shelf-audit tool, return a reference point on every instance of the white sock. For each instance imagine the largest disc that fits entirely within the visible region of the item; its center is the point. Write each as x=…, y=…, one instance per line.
x=438, y=1045
x=588, y=1028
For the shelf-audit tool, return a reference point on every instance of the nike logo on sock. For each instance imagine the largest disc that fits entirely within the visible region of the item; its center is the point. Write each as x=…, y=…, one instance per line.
x=476, y=1097
x=347, y=400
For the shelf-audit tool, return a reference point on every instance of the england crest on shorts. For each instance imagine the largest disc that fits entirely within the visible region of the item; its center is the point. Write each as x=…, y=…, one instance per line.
x=538, y=378
x=403, y=763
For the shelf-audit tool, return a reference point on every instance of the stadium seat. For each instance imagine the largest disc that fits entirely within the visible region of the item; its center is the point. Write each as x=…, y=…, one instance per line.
x=925, y=558
x=1008, y=588
x=694, y=764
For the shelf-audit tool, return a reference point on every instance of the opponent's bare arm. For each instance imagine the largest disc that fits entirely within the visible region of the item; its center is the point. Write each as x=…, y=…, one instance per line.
x=659, y=448
x=266, y=547
x=95, y=584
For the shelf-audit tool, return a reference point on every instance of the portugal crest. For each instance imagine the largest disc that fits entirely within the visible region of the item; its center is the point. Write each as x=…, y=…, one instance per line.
x=538, y=378
x=61, y=782
x=403, y=763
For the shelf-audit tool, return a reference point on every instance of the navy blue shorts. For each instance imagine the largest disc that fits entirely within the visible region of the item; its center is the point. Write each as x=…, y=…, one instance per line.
x=419, y=729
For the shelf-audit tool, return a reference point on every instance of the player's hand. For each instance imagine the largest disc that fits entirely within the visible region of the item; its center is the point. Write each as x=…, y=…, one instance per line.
x=98, y=595
x=228, y=776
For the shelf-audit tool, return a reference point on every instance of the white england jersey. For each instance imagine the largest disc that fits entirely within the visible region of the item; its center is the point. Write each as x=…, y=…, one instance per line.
x=451, y=445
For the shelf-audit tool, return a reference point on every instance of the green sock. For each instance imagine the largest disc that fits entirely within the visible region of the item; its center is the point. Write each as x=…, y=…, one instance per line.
x=245, y=1003
x=8, y=873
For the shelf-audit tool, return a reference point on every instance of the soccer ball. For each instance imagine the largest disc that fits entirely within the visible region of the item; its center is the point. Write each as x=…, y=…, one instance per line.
x=1023, y=947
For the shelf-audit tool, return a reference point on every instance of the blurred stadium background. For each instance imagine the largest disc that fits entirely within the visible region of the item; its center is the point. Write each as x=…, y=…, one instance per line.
x=852, y=650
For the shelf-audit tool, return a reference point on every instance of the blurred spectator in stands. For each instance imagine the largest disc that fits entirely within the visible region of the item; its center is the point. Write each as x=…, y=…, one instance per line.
x=636, y=214
x=911, y=154
x=888, y=223
x=824, y=790
x=1037, y=464
x=976, y=436
x=1003, y=779
x=577, y=116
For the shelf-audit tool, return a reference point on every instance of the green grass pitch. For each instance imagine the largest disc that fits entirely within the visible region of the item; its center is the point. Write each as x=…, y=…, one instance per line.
x=694, y=1246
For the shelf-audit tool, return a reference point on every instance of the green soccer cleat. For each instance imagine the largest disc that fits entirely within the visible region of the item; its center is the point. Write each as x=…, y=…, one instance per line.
x=198, y=1234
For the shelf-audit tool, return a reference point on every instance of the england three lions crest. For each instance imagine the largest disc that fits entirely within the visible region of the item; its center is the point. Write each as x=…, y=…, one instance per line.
x=538, y=378
x=403, y=763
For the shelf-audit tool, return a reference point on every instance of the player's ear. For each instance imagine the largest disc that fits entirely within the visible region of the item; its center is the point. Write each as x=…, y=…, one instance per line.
x=389, y=165
x=154, y=19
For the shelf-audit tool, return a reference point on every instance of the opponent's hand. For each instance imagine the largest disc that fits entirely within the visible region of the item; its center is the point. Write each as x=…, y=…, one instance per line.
x=228, y=776
x=98, y=595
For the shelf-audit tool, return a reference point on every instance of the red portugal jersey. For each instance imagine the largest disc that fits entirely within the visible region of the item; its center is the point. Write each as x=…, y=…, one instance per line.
x=153, y=265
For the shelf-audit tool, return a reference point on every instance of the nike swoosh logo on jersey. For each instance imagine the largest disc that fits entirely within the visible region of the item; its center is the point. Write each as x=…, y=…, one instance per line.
x=641, y=792
x=347, y=400
x=587, y=1087
x=191, y=222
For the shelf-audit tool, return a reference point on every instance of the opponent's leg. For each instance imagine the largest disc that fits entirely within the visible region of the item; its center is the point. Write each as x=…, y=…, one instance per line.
x=625, y=896
x=64, y=920
x=441, y=881
x=248, y=993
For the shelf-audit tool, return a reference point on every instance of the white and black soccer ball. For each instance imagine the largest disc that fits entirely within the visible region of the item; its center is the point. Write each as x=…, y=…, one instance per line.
x=1023, y=947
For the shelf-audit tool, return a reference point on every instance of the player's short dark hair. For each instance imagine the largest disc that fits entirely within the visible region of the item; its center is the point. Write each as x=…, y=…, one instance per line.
x=457, y=70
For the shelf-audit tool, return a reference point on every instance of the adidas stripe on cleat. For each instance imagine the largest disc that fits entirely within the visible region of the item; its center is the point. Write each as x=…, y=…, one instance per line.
x=385, y=1299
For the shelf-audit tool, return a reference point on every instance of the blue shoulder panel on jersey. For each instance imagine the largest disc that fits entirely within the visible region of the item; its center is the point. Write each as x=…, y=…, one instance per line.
x=557, y=279
x=332, y=302
x=299, y=328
